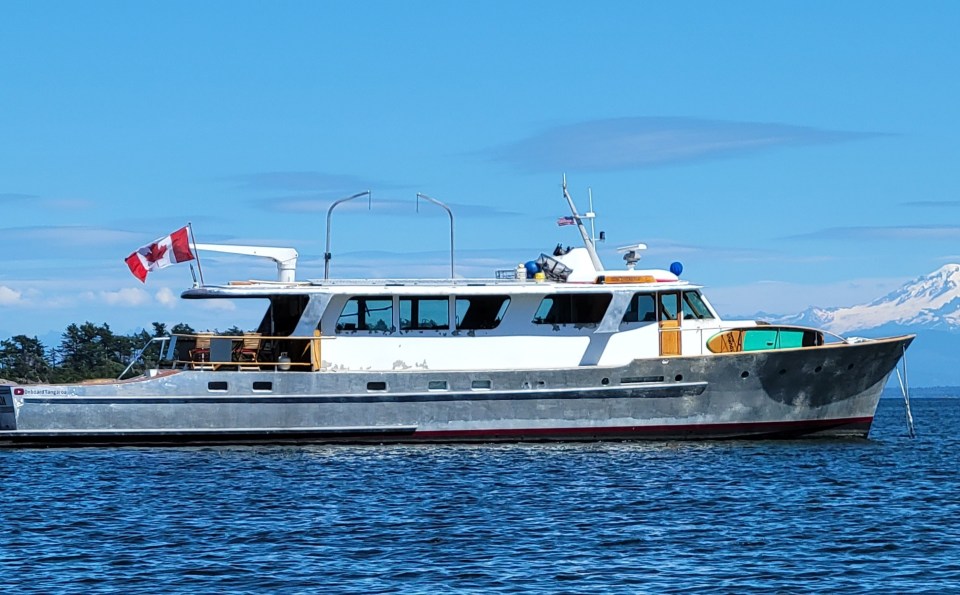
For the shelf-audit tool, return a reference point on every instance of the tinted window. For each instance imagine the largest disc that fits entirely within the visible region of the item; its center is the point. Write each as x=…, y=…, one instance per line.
x=481, y=311
x=669, y=306
x=572, y=308
x=693, y=306
x=642, y=308
x=424, y=313
x=366, y=314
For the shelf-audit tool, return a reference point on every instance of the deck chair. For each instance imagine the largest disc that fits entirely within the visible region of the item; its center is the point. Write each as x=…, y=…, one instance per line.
x=248, y=350
x=200, y=354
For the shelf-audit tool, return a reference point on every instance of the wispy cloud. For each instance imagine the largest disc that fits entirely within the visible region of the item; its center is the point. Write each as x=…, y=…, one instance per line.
x=391, y=206
x=72, y=235
x=14, y=196
x=778, y=297
x=72, y=204
x=306, y=181
x=950, y=204
x=642, y=142
x=53, y=203
x=891, y=233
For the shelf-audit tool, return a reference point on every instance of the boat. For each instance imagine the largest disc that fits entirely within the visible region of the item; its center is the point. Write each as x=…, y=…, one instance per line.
x=558, y=348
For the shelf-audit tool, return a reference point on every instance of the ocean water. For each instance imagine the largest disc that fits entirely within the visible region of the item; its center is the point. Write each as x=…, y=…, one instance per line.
x=878, y=515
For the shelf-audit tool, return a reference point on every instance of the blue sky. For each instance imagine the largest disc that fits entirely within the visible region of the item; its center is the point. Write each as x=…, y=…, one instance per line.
x=788, y=153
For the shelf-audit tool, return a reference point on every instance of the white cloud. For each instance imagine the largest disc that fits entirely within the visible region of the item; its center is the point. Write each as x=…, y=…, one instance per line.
x=221, y=305
x=9, y=297
x=129, y=296
x=166, y=297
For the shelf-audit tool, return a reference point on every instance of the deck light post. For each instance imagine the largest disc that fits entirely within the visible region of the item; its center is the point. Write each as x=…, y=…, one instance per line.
x=326, y=253
x=450, y=213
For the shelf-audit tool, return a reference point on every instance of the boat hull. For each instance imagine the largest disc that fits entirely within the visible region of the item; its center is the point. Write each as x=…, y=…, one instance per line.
x=831, y=390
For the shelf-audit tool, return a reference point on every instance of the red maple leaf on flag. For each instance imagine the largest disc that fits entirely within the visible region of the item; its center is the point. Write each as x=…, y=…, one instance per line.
x=155, y=252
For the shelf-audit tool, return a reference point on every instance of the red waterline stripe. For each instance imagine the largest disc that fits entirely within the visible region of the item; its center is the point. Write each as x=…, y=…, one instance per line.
x=731, y=428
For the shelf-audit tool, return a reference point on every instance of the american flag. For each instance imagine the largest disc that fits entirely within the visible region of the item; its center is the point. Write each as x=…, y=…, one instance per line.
x=568, y=220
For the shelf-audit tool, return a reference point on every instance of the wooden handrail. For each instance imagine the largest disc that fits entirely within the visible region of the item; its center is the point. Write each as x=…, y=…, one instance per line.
x=200, y=354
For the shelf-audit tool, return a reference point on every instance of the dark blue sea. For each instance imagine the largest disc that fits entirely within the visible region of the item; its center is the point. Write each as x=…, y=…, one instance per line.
x=838, y=516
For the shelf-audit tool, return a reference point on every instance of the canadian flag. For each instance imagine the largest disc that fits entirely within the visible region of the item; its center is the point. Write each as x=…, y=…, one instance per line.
x=160, y=254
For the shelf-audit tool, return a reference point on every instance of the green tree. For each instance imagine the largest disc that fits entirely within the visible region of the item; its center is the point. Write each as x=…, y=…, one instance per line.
x=91, y=351
x=182, y=329
x=23, y=359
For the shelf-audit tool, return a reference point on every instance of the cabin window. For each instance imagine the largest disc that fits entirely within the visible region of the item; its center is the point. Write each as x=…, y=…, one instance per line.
x=669, y=305
x=480, y=311
x=694, y=307
x=642, y=308
x=572, y=308
x=366, y=314
x=424, y=313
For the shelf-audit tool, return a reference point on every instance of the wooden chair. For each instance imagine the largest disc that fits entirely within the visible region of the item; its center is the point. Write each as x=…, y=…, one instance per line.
x=249, y=349
x=200, y=354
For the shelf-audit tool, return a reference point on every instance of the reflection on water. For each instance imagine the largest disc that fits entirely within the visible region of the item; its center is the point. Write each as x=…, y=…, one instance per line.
x=808, y=515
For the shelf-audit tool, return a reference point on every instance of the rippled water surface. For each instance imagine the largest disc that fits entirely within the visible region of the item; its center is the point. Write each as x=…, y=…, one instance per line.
x=878, y=515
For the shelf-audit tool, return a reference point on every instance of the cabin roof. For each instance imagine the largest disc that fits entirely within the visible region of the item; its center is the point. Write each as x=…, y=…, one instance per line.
x=255, y=288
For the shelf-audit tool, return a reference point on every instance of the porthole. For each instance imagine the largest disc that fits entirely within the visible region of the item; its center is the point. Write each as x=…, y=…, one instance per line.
x=263, y=386
x=377, y=385
x=480, y=384
x=605, y=381
x=782, y=372
x=218, y=386
x=744, y=374
x=678, y=377
x=849, y=366
x=437, y=385
x=818, y=369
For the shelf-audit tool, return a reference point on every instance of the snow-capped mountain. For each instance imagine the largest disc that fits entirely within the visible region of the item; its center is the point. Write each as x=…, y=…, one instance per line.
x=929, y=302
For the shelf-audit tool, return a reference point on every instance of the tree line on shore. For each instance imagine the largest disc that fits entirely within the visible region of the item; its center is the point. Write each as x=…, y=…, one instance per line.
x=86, y=351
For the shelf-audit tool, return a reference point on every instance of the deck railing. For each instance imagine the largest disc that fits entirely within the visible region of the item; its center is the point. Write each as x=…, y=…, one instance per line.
x=249, y=351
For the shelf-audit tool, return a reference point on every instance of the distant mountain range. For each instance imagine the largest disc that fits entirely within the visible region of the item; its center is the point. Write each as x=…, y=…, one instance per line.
x=930, y=302
x=928, y=306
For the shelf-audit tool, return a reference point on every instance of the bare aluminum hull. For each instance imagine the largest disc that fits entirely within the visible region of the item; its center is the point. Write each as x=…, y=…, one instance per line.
x=831, y=390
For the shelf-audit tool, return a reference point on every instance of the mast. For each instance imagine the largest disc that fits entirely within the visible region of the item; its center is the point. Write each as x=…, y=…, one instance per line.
x=587, y=240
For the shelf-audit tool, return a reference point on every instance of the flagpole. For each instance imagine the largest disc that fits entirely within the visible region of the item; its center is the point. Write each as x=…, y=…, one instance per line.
x=196, y=252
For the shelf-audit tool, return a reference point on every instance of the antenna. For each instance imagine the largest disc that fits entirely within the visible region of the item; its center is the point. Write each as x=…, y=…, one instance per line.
x=591, y=216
